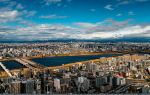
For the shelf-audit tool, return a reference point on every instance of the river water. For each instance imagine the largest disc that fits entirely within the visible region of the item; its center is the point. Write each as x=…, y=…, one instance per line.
x=56, y=61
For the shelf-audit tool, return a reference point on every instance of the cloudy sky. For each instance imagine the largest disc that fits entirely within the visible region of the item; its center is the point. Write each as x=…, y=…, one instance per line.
x=74, y=19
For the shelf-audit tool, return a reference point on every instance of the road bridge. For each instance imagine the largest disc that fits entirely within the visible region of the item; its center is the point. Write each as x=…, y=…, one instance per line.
x=29, y=64
x=6, y=70
x=33, y=63
x=24, y=63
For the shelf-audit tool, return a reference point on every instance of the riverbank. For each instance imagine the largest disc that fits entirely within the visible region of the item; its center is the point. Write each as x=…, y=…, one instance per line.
x=4, y=74
x=56, y=55
x=77, y=54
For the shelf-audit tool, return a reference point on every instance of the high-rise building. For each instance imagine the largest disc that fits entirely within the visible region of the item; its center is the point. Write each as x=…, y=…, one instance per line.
x=27, y=87
x=83, y=84
x=15, y=87
x=109, y=80
x=119, y=81
x=100, y=81
x=57, y=84
x=38, y=86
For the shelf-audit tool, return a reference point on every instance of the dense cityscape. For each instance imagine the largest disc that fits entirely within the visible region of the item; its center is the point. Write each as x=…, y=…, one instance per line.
x=58, y=48
x=127, y=72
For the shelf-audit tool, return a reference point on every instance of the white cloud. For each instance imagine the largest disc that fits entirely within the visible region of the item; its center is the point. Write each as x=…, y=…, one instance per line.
x=8, y=16
x=19, y=6
x=57, y=2
x=31, y=13
x=123, y=2
x=107, y=25
x=126, y=2
x=129, y=31
x=26, y=22
x=85, y=24
x=131, y=13
x=49, y=2
x=109, y=7
x=12, y=11
x=135, y=30
x=99, y=30
x=27, y=13
x=119, y=15
x=14, y=15
x=53, y=16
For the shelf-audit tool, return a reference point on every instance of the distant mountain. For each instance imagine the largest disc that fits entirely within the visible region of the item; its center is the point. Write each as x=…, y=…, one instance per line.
x=139, y=39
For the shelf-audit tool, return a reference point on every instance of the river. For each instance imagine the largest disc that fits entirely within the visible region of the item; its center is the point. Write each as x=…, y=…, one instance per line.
x=56, y=61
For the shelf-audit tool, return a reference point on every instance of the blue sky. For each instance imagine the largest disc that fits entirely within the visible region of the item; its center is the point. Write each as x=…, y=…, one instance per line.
x=74, y=19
